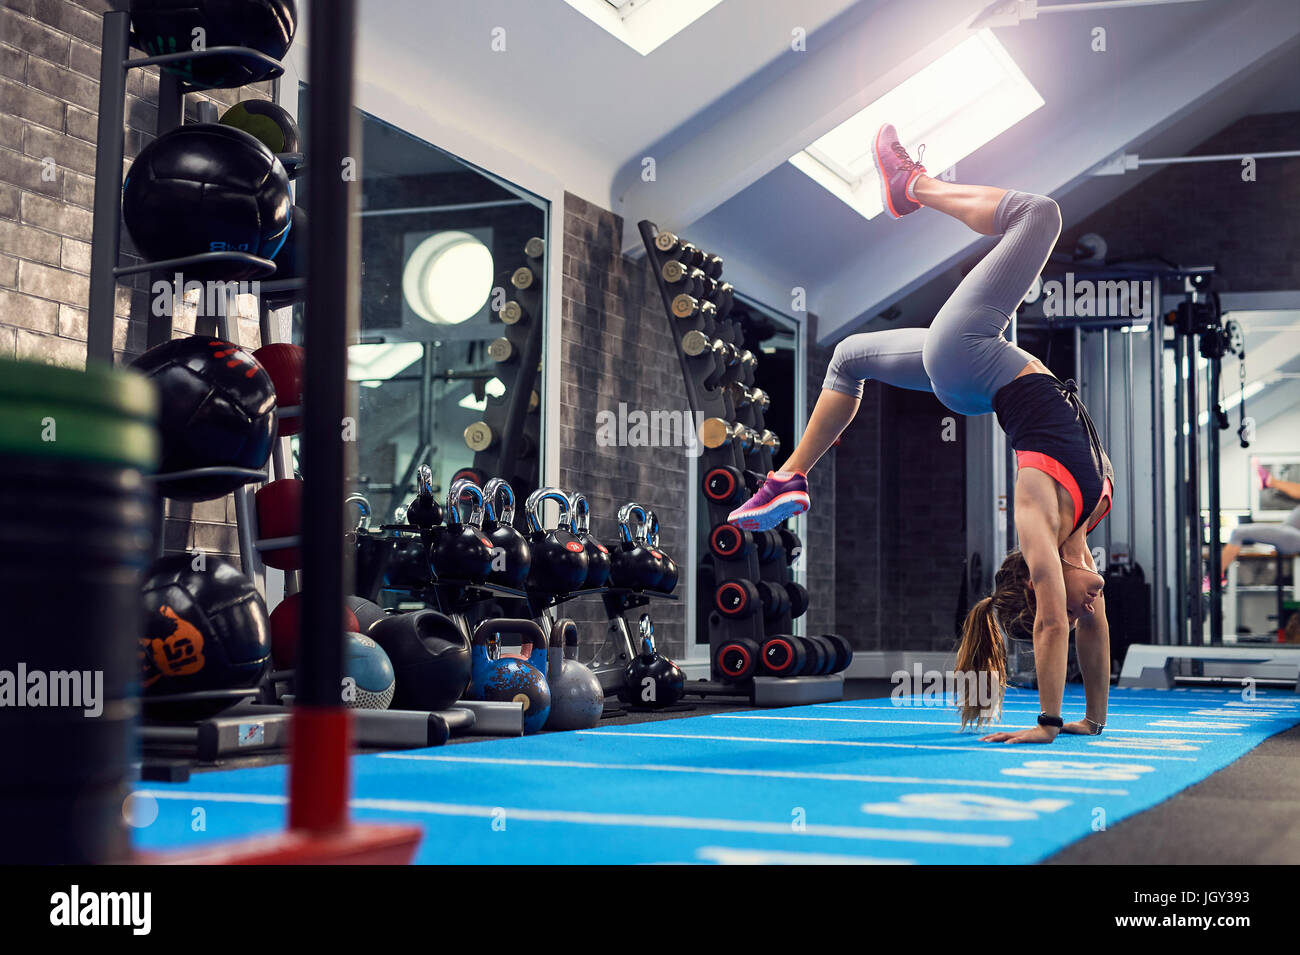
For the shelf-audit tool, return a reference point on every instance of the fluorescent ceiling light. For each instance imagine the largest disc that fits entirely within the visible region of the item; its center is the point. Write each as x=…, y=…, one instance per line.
x=643, y=24
x=448, y=278
x=964, y=99
x=494, y=388
x=372, y=365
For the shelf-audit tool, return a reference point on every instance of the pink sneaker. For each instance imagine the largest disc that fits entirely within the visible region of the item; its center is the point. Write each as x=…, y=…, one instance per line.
x=779, y=497
x=1264, y=475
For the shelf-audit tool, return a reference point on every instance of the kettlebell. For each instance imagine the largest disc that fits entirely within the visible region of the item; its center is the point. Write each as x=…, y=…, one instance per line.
x=460, y=550
x=651, y=679
x=430, y=656
x=667, y=566
x=631, y=564
x=559, y=559
x=577, y=700
x=597, y=553
x=509, y=546
x=509, y=680
x=423, y=511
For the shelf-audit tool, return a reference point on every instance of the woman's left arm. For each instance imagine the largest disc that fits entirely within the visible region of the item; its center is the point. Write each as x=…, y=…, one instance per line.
x=1092, y=646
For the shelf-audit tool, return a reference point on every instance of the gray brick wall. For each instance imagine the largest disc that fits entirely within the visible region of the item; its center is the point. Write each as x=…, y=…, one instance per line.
x=49, y=98
x=616, y=347
x=1205, y=214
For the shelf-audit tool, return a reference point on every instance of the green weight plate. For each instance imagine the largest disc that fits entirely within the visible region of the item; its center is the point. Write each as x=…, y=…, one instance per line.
x=111, y=391
x=27, y=428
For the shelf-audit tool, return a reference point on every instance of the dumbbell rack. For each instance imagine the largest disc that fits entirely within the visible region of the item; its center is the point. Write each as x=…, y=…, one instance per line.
x=714, y=380
x=106, y=273
x=509, y=436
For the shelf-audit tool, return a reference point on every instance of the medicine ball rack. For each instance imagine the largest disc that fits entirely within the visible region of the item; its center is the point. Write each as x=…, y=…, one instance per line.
x=105, y=272
x=319, y=829
x=719, y=377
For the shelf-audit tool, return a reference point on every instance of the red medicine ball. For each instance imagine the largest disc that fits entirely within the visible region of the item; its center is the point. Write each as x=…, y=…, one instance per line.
x=284, y=363
x=279, y=514
x=286, y=624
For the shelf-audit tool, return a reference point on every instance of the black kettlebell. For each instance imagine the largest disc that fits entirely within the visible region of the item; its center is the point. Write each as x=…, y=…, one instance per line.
x=423, y=511
x=631, y=564
x=460, y=551
x=430, y=655
x=667, y=566
x=559, y=559
x=651, y=679
x=597, y=553
x=512, y=557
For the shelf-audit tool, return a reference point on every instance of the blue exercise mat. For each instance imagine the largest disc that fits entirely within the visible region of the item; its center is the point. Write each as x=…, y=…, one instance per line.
x=863, y=782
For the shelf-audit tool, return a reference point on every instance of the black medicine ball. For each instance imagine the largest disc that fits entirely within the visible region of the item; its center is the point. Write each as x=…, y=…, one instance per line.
x=205, y=629
x=216, y=409
x=206, y=187
x=168, y=26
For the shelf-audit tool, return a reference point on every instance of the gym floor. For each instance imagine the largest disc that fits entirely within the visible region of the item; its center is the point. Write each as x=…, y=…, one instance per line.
x=1246, y=812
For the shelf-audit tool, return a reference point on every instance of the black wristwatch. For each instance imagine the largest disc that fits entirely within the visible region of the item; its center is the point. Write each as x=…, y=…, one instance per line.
x=1045, y=720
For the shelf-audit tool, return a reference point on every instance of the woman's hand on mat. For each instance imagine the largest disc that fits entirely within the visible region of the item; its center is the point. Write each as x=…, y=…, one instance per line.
x=1079, y=727
x=1039, y=734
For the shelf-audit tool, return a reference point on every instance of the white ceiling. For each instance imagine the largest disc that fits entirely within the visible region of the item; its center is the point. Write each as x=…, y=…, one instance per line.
x=721, y=106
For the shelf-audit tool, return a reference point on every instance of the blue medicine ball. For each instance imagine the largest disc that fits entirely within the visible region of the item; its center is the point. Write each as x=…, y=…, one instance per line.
x=368, y=675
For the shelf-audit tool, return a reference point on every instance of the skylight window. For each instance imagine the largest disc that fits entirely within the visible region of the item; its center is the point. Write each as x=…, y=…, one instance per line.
x=961, y=101
x=643, y=25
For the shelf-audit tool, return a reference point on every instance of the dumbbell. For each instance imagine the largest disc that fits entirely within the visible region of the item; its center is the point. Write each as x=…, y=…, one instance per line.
x=783, y=655
x=773, y=598
x=522, y=278
x=696, y=343
x=535, y=247
x=714, y=432
x=685, y=306
x=768, y=439
x=736, y=598
x=791, y=544
x=760, y=398
x=738, y=393
x=798, y=595
x=768, y=546
x=512, y=313
x=826, y=652
x=666, y=241
x=501, y=350
x=725, y=298
x=713, y=265
x=843, y=651
x=479, y=436
x=728, y=542
x=737, y=659
x=723, y=485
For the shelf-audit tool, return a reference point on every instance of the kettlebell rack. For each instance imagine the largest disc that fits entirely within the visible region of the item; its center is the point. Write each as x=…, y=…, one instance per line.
x=750, y=600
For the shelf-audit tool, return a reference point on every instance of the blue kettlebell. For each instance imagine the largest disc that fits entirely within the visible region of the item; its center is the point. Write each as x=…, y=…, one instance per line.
x=508, y=679
x=577, y=699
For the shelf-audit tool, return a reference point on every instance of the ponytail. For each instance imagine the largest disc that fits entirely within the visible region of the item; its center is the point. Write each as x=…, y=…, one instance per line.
x=980, y=652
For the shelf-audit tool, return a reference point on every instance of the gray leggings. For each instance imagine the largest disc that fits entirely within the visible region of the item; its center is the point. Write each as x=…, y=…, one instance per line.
x=1285, y=536
x=962, y=357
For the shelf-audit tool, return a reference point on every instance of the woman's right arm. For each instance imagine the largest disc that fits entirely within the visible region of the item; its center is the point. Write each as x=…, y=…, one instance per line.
x=1038, y=527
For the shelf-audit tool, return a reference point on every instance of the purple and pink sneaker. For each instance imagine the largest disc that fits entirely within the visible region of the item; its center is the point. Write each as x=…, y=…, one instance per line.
x=898, y=172
x=782, y=495
x=1264, y=476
